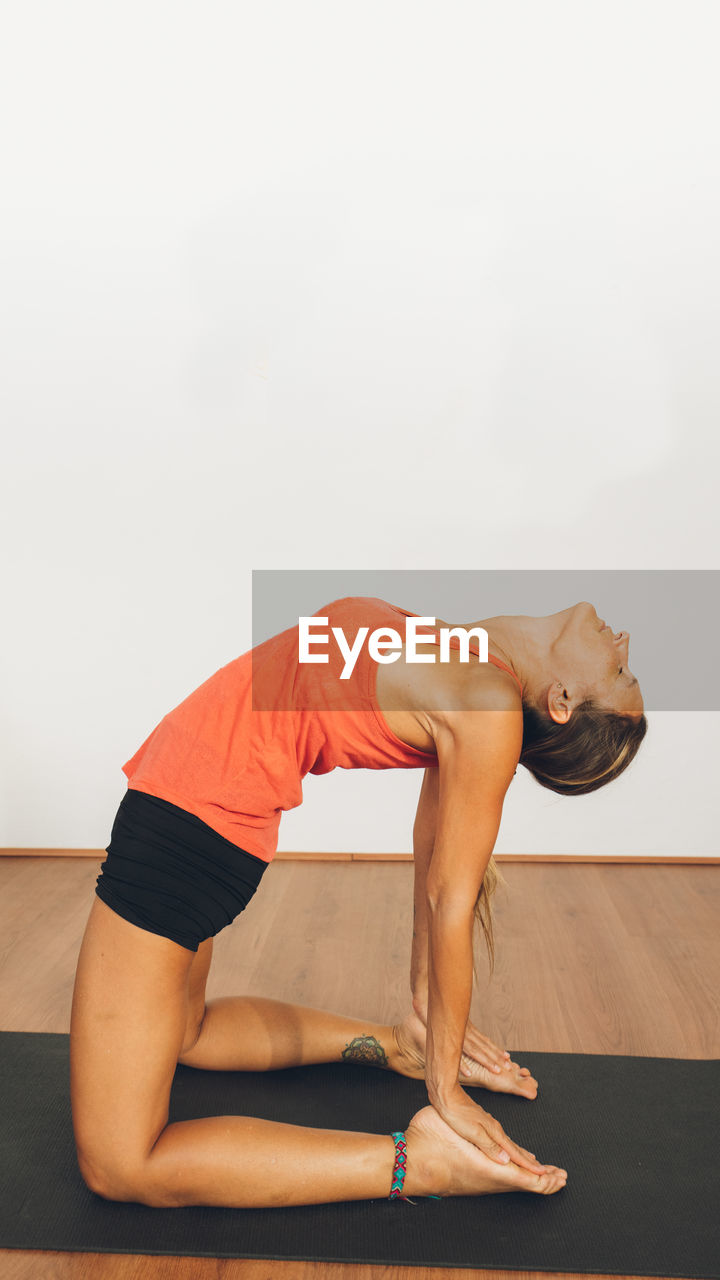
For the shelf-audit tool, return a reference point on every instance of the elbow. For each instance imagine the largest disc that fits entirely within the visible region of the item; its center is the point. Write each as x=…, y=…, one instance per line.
x=434, y=896
x=449, y=904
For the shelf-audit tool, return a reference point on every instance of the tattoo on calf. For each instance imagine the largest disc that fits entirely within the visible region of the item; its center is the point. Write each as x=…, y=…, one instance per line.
x=365, y=1049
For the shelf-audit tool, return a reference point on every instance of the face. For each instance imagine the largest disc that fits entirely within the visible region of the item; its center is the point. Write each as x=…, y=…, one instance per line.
x=592, y=660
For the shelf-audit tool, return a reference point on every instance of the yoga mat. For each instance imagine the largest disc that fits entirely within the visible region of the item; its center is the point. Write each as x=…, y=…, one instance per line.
x=638, y=1137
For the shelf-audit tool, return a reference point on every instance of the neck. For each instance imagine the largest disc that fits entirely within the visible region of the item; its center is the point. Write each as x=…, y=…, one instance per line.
x=524, y=643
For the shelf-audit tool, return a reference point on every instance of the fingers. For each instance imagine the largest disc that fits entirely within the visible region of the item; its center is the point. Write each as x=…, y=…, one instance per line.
x=491, y=1138
x=487, y=1134
x=523, y=1158
x=469, y=1066
x=523, y=1071
x=484, y=1051
x=488, y=1060
x=480, y=1049
x=518, y=1081
x=470, y=1063
x=509, y=1150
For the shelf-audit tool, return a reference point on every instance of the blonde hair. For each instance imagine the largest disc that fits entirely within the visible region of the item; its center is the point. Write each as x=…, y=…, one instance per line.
x=572, y=759
x=591, y=749
x=483, y=907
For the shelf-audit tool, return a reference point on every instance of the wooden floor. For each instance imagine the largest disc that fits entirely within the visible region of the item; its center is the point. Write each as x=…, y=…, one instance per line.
x=591, y=958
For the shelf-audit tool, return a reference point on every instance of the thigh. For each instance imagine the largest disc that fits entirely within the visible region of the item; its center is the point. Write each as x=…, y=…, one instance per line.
x=130, y=1015
x=197, y=982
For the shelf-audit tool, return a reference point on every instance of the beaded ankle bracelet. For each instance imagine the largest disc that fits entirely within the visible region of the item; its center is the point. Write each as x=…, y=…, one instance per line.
x=400, y=1169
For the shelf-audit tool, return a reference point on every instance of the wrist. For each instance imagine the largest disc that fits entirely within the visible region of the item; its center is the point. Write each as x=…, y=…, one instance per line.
x=443, y=1094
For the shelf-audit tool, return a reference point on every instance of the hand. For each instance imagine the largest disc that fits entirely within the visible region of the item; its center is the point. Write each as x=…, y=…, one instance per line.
x=407, y=1057
x=483, y=1063
x=469, y=1120
x=506, y=1077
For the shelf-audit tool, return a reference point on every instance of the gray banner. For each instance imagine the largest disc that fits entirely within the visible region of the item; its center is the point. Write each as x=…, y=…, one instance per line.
x=671, y=615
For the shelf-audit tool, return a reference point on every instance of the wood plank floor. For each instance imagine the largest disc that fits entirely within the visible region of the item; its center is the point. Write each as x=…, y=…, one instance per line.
x=598, y=958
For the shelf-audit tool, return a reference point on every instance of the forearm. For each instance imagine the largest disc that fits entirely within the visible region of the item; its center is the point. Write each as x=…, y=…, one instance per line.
x=424, y=831
x=450, y=977
x=419, y=955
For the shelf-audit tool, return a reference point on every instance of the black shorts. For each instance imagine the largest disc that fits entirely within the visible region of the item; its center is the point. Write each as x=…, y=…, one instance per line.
x=170, y=873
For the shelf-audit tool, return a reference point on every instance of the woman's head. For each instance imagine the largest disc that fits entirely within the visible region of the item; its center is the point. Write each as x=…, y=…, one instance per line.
x=583, y=727
x=586, y=660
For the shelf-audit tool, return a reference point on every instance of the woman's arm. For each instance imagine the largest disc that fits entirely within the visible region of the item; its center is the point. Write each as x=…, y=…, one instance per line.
x=477, y=752
x=476, y=1046
x=424, y=829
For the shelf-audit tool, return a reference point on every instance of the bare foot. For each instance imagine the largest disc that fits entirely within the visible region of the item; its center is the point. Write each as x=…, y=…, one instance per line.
x=440, y=1162
x=408, y=1058
x=511, y=1079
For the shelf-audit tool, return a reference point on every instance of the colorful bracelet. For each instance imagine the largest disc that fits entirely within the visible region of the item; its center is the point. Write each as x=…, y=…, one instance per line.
x=399, y=1167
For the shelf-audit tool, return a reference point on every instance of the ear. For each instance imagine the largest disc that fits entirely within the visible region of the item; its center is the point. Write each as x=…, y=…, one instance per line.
x=558, y=703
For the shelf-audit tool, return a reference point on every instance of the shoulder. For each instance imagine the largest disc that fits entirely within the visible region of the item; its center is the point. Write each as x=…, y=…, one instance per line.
x=478, y=729
x=357, y=608
x=473, y=687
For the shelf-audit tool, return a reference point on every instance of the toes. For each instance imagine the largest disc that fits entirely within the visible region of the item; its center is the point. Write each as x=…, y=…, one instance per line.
x=557, y=1184
x=543, y=1183
x=550, y=1183
x=526, y=1181
x=555, y=1181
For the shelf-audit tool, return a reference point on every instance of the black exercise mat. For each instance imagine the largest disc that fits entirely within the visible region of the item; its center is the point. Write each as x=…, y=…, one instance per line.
x=638, y=1137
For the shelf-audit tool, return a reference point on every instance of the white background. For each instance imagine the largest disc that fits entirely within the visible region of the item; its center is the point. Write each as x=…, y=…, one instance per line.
x=399, y=285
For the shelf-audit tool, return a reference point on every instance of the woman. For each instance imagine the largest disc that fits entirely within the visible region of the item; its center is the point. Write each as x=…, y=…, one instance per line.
x=193, y=835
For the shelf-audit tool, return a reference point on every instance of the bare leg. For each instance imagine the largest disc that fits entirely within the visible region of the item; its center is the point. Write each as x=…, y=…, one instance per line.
x=132, y=1018
x=252, y=1033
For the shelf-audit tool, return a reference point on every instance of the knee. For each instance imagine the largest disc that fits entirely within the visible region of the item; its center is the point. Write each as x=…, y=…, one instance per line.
x=193, y=1031
x=103, y=1177
x=114, y=1179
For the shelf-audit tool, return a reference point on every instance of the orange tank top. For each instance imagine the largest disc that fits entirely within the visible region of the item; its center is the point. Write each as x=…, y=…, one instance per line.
x=235, y=751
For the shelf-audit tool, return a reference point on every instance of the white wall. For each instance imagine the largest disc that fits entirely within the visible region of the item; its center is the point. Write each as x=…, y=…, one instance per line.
x=408, y=286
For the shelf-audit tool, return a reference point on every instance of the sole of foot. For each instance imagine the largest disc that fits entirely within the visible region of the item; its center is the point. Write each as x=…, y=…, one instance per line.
x=407, y=1057
x=440, y=1162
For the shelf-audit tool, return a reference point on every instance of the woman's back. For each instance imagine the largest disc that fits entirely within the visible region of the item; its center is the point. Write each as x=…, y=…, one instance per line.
x=235, y=751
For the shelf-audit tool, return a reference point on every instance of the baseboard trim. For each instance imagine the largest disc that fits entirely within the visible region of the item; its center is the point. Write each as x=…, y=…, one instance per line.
x=307, y=856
